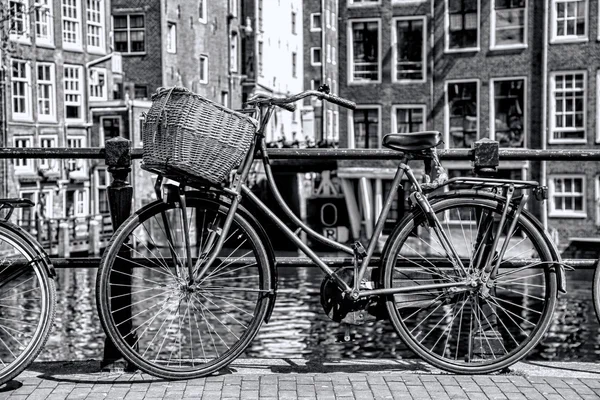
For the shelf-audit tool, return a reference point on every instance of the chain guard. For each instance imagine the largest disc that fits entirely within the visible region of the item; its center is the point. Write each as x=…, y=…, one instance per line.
x=340, y=308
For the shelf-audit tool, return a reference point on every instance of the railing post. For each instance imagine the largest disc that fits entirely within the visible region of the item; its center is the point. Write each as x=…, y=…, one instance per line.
x=120, y=194
x=486, y=157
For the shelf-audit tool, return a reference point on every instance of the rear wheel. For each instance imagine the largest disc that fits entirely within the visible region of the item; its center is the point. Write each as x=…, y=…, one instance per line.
x=27, y=302
x=158, y=320
x=482, y=328
x=596, y=290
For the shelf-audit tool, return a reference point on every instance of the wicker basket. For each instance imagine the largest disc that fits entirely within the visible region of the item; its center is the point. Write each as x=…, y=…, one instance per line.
x=187, y=134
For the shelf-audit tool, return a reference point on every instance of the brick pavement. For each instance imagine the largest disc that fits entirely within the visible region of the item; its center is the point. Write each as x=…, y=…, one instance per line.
x=294, y=379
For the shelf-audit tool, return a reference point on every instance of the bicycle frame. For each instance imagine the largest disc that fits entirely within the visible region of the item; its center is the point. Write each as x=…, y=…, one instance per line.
x=238, y=189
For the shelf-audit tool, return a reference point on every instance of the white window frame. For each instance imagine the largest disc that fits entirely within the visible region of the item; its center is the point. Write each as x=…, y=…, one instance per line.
x=328, y=53
x=100, y=25
x=50, y=165
x=328, y=19
x=351, y=133
x=23, y=165
x=313, y=28
x=91, y=84
x=397, y=107
x=312, y=56
x=23, y=193
x=493, y=44
x=171, y=37
x=204, y=67
x=395, y=49
x=333, y=21
x=77, y=45
x=84, y=202
x=336, y=126
x=568, y=38
x=525, y=107
x=447, y=48
x=52, y=83
x=25, y=36
x=203, y=13
x=353, y=3
x=98, y=187
x=79, y=92
x=551, y=192
x=598, y=106
x=350, y=48
x=234, y=52
x=44, y=9
x=552, y=107
x=27, y=115
x=77, y=167
x=447, y=109
x=333, y=55
x=597, y=199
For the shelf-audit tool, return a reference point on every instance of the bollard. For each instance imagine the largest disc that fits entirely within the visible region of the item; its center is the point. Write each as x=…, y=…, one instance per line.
x=120, y=195
x=64, y=241
x=486, y=157
x=94, y=238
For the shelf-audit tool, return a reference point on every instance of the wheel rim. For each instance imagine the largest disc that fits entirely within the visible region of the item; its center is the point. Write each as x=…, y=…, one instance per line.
x=484, y=327
x=24, y=308
x=176, y=329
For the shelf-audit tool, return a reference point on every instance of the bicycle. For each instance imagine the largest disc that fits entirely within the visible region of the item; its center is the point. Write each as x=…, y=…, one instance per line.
x=27, y=294
x=468, y=278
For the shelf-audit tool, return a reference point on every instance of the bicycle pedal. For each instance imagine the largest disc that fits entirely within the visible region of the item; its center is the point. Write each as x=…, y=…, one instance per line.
x=359, y=249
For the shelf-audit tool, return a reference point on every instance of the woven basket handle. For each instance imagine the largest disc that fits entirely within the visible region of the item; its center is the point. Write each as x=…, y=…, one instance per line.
x=163, y=114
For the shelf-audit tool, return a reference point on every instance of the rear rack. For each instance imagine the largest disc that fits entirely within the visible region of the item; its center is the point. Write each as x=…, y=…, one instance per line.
x=540, y=192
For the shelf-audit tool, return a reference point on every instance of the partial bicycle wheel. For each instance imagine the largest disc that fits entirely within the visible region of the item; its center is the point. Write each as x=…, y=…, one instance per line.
x=485, y=327
x=596, y=290
x=27, y=302
x=158, y=320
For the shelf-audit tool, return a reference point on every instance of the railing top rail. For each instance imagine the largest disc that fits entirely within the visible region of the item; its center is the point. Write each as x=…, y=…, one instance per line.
x=321, y=153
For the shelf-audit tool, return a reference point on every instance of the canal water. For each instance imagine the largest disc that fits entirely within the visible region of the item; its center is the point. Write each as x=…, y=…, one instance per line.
x=300, y=328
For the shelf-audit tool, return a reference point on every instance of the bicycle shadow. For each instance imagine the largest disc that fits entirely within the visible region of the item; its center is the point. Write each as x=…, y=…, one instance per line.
x=10, y=386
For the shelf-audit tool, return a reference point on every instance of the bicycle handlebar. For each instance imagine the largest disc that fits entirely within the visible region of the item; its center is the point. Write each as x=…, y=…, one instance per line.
x=285, y=102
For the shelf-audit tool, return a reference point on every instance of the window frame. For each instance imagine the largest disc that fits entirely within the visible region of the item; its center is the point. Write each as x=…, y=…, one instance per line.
x=525, y=106
x=171, y=37
x=41, y=40
x=294, y=64
x=396, y=107
x=85, y=202
x=98, y=188
x=447, y=108
x=568, y=38
x=350, y=51
x=76, y=167
x=128, y=31
x=493, y=44
x=312, y=56
x=104, y=89
x=78, y=44
x=80, y=92
x=101, y=134
x=52, y=83
x=395, y=49
x=352, y=134
x=551, y=193
x=353, y=3
x=204, y=67
x=234, y=50
x=447, y=48
x=28, y=164
x=50, y=164
x=552, y=108
x=25, y=36
x=313, y=28
x=101, y=48
x=28, y=95
x=203, y=13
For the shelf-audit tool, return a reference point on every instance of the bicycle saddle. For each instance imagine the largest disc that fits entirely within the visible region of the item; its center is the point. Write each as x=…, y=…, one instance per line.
x=414, y=141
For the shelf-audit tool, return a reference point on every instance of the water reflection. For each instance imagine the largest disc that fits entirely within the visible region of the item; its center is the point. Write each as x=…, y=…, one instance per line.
x=299, y=327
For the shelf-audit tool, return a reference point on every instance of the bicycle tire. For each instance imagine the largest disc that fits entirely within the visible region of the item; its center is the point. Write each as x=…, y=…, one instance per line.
x=596, y=290
x=27, y=301
x=414, y=317
x=240, y=329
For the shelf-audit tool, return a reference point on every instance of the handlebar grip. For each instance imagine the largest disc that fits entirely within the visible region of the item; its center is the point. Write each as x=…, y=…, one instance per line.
x=291, y=107
x=340, y=101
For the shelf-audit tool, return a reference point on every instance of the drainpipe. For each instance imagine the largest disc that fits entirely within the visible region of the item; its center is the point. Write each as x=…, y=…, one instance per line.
x=544, y=178
x=323, y=70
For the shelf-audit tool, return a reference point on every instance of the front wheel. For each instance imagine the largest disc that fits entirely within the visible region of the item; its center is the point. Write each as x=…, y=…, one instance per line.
x=484, y=327
x=162, y=323
x=596, y=290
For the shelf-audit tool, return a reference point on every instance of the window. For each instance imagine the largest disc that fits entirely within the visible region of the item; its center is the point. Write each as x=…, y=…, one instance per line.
x=21, y=90
x=509, y=23
x=294, y=67
x=567, y=196
x=19, y=20
x=95, y=25
x=333, y=55
x=315, y=56
x=336, y=126
x=44, y=34
x=203, y=70
x=462, y=25
x=97, y=81
x=363, y=2
x=171, y=37
x=328, y=53
x=140, y=92
x=315, y=22
x=260, y=59
x=23, y=165
x=26, y=215
x=327, y=18
x=46, y=105
x=293, y=23
x=509, y=112
x=202, y=12
x=569, y=20
x=333, y=20
x=233, y=55
x=225, y=98
x=75, y=142
x=73, y=92
x=130, y=33
x=364, y=51
x=409, y=50
x=76, y=203
x=568, y=107
x=102, y=182
x=366, y=127
x=259, y=12
x=463, y=109
x=233, y=7
x=71, y=15
x=110, y=128
x=48, y=142
x=408, y=118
